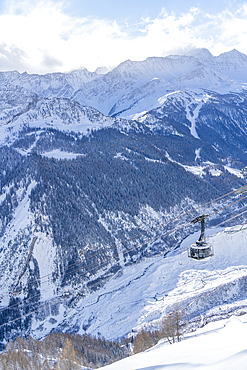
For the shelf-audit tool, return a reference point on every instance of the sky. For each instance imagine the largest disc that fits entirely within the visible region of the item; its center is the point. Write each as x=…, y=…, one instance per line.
x=43, y=36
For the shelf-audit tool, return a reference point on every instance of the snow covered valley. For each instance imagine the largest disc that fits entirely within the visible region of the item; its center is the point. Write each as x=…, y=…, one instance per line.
x=146, y=292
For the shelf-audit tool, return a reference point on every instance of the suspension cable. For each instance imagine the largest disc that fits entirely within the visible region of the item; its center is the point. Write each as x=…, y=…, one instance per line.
x=129, y=239
x=134, y=247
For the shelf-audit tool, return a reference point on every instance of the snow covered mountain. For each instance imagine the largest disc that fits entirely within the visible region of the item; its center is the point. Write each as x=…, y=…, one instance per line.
x=88, y=161
x=49, y=85
x=232, y=64
x=199, y=70
x=183, y=72
x=221, y=74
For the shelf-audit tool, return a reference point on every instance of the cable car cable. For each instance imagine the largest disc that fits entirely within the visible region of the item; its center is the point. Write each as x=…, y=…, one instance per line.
x=61, y=298
x=134, y=237
x=23, y=316
x=136, y=246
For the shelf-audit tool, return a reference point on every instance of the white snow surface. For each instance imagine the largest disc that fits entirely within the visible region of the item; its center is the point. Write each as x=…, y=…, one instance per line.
x=220, y=345
x=59, y=154
x=201, y=169
x=234, y=171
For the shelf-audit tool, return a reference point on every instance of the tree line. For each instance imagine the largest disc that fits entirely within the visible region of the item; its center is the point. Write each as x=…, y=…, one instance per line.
x=59, y=351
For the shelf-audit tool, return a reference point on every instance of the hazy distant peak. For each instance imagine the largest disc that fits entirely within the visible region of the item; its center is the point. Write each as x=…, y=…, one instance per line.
x=102, y=70
x=202, y=54
x=233, y=54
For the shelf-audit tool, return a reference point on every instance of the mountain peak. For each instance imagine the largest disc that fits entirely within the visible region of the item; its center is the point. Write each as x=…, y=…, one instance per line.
x=102, y=70
x=233, y=54
x=202, y=54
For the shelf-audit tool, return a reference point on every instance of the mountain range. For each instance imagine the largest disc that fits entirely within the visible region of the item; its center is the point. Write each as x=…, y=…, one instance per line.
x=90, y=161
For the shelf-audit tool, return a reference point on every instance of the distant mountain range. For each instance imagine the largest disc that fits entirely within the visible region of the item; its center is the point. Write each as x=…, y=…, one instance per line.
x=88, y=160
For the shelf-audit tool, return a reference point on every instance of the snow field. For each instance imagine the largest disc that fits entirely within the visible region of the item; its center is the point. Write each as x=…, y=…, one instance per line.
x=218, y=346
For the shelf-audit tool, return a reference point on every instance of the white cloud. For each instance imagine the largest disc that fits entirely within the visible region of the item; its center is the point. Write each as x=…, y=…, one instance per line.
x=41, y=37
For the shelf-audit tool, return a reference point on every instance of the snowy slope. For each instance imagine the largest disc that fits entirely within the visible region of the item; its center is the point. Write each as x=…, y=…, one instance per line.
x=49, y=113
x=142, y=294
x=218, y=346
x=105, y=92
x=142, y=99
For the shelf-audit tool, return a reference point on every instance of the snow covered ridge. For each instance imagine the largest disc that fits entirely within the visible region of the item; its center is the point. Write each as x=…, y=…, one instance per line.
x=189, y=85
x=110, y=92
x=49, y=85
x=132, y=82
x=29, y=112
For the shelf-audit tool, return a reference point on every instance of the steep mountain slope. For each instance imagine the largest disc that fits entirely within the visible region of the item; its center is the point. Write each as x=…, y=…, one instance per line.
x=232, y=64
x=216, y=119
x=79, y=210
x=222, y=74
x=105, y=92
x=77, y=186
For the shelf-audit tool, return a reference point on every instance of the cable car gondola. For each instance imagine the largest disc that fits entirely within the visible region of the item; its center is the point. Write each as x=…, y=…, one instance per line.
x=200, y=249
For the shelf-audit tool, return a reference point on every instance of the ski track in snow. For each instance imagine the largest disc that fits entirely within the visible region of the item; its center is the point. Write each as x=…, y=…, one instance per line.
x=192, y=118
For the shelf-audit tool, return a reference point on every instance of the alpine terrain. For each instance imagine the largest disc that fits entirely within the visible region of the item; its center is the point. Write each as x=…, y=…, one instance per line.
x=100, y=178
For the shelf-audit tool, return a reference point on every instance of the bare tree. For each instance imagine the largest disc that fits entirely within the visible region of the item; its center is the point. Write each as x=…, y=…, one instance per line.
x=143, y=341
x=172, y=326
x=68, y=359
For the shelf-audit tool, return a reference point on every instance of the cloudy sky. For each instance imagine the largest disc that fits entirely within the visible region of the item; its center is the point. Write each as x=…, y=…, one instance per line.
x=41, y=36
